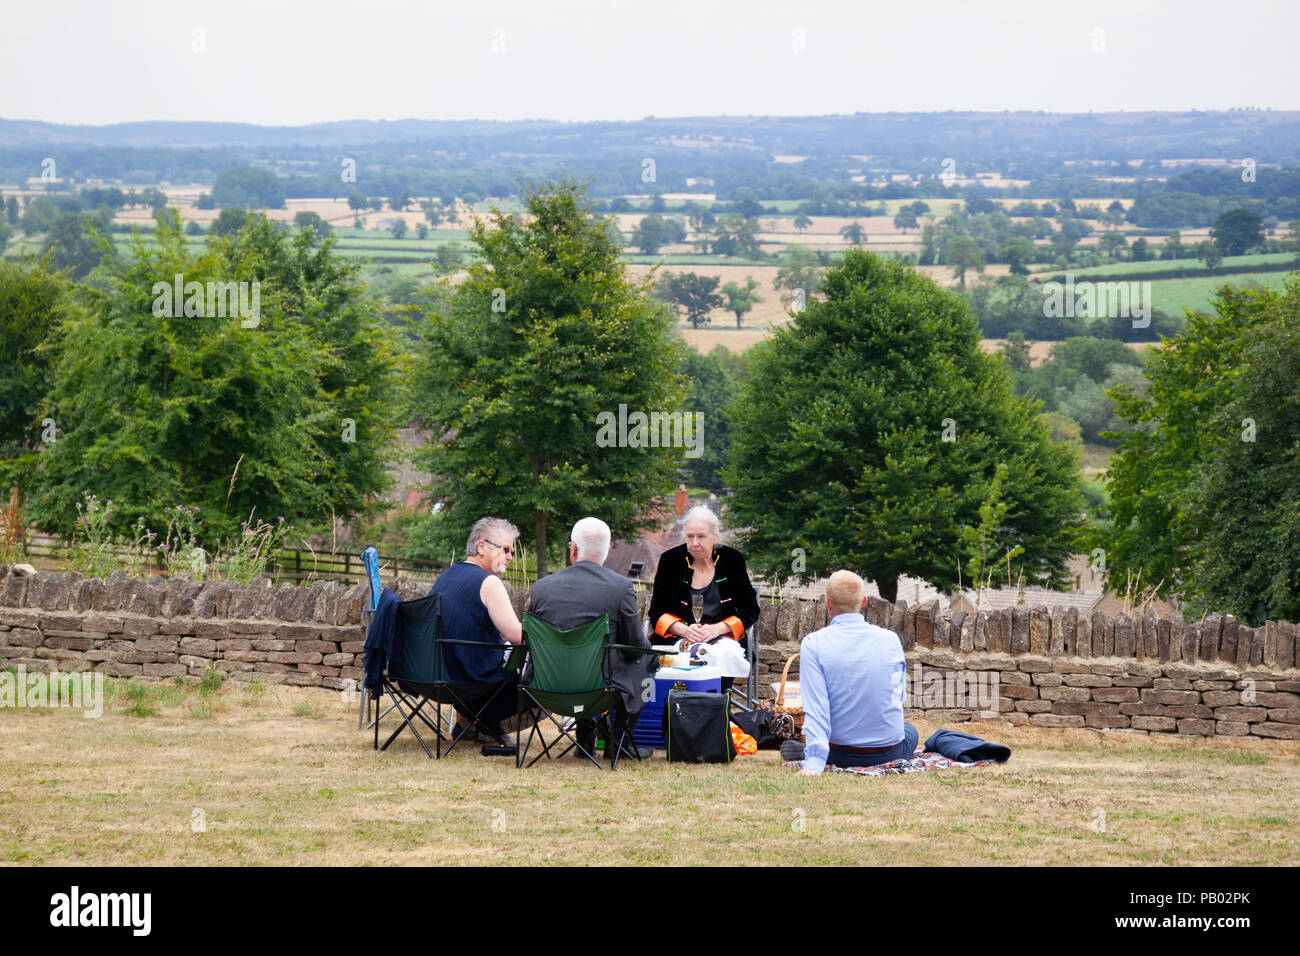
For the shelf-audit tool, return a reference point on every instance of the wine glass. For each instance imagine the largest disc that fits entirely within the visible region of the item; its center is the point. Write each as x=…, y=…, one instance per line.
x=697, y=607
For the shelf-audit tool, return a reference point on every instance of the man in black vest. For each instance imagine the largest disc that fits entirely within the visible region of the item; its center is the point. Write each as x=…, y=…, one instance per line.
x=584, y=591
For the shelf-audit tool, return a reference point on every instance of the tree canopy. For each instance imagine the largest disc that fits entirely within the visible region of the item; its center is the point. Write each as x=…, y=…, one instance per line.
x=1205, y=489
x=521, y=360
x=869, y=433
x=161, y=402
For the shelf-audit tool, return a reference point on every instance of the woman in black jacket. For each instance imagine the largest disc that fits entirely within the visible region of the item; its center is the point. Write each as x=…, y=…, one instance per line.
x=713, y=571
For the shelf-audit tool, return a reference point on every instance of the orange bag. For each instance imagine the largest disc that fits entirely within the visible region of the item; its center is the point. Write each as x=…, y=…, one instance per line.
x=743, y=742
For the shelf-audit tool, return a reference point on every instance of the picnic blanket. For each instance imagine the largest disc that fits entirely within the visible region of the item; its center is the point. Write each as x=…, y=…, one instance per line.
x=921, y=760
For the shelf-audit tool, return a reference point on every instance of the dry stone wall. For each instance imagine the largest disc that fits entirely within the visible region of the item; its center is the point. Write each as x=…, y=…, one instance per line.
x=1054, y=667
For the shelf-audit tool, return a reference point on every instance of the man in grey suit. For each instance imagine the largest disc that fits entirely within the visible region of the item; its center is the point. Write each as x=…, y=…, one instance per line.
x=584, y=591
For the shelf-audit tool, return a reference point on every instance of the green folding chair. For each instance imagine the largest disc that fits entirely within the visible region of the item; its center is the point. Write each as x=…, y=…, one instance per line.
x=569, y=678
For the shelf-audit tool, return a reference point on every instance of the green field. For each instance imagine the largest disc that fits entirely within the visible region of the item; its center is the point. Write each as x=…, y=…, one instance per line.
x=1172, y=296
x=1188, y=263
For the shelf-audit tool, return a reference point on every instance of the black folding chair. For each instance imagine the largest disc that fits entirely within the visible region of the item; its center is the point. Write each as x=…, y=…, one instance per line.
x=418, y=677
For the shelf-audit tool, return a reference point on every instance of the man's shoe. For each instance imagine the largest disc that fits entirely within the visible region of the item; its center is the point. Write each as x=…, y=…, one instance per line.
x=791, y=750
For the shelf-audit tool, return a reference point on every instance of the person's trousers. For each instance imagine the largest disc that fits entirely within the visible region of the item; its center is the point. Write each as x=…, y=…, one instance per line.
x=619, y=719
x=842, y=758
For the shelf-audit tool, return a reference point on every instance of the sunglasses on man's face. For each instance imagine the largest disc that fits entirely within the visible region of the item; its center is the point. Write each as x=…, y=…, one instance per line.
x=510, y=552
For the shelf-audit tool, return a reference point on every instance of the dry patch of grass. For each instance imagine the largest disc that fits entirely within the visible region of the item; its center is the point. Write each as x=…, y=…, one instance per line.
x=262, y=774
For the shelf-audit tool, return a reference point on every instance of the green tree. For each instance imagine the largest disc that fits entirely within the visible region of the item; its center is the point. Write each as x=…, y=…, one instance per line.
x=1237, y=231
x=853, y=233
x=1205, y=487
x=905, y=220
x=650, y=233
x=34, y=305
x=448, y=257
x=1111, y=242
x=711, y=387
x=12, y=212
x=741, y=299
x=693, y=293
x=798, y=271
x=161, y=401
x=397, y=228
x=312, y=221
x=1209, y=253
x=1017, y=252
x=860, y=475
x=1016, y=352
x=736, y=236
x=963, y=253
x=357, y=201
x=1173, y=246
x=544, y=335
x=248, y=188
x=75, y=242
x=228, y=221
x=801, y=222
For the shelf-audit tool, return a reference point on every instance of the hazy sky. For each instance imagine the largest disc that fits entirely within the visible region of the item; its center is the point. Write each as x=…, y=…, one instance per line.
x=289, y=62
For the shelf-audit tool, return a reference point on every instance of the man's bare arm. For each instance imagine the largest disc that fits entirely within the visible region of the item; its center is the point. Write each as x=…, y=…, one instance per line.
x=497, y=601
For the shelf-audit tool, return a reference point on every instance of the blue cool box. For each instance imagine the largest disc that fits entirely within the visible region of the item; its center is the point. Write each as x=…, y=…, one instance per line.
x=649, y=728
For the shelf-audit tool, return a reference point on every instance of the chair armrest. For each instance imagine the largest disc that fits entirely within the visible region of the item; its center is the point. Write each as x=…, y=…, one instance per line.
x=516, y=658
x=632, y=648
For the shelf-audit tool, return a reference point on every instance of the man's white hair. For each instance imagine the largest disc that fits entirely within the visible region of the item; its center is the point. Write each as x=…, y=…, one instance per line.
x=702, y=514
x=591, y=535
x=485, y=529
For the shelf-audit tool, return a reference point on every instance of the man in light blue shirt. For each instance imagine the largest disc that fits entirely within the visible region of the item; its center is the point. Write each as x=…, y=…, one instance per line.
x=852, y=677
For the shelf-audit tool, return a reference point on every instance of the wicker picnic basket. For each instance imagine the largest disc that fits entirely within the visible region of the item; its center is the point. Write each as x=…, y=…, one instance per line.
x=791, y=713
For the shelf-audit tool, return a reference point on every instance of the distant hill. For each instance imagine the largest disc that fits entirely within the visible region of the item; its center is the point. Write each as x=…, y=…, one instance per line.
x=1265, y=135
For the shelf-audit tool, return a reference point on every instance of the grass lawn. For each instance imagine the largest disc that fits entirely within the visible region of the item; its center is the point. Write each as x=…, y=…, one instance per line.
x=280, y=775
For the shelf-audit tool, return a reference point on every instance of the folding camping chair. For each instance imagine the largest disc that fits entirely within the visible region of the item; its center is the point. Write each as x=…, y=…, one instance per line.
x=569, y=677
x=418, y=677
x=747, y=699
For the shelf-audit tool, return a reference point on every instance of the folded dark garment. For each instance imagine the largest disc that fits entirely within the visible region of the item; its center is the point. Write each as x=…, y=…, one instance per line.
x=966, y=749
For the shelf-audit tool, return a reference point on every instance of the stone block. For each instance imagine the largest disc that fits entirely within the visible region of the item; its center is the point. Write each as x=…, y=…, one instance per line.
x=1065, y=693
x=1278, y=731
x=1243, y=715
x=1170, y=696
x=164, y=670
x=1230, y=728
x=1033, y=706
x=1161, y=724
x=1142, y=709
x=1106, y=721
x=1116, y=694
x=1087, y=680
x=1188, y=710
x=1056, y=720
x=1084, y=707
